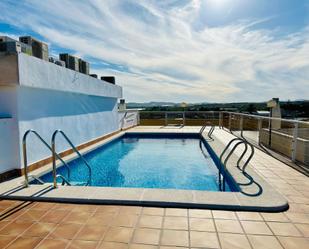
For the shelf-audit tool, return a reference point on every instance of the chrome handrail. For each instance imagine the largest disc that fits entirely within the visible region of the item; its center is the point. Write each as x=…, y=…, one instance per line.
x=74, y=149
x=211, y=130
x=240, y=141
x=64, y=180
x=36, y=178
x=25, y=154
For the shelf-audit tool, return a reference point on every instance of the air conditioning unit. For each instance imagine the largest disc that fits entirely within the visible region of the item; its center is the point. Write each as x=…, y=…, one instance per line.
x=83, y=66
x=109, y=79
x=71, y=61
x=56, y=61
x=9, y=45
x=39, y=49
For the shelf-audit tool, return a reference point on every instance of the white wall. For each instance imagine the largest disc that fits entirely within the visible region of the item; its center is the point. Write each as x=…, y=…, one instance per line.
x=81, y=117
x=48, y=97
x=8, y=145
x=37, y=73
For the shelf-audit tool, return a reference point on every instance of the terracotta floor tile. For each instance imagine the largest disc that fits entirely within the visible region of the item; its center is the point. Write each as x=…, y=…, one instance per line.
x=174, y=247
x=4, y=223
x=63, y=207
x=153, y=211
x=102, y=219
x=119, y=234
x=40, y=230
x=92, y=232
x=150, y=221
x=176, y=223
x=85, y=208
x=5, y=240
x=65, y=231
x=176, y=212
x=304, y=228
x=283, y=229
x=140, y=246
x=83, y=244
x=146, y=236
x=130, y=210
x=275, y=217
x=228, y=226
x=298, y=217
x=6, y=203
x=294, y=243
x=175, y=238
x=13, y=214
x=108, y=209
x=16, y=228
x=233, y=241
x=206, y=225
x=32, y=215
x=113, y=245
x=125, y=220
x=256, y=227
x=52, y=244
x=24, y=243
x=204, y=239
x=218, y=214
x=264, y=242
x=200, y=213
x=76, y=217
x=249, y=216
x=54, y=216
x=44, y=205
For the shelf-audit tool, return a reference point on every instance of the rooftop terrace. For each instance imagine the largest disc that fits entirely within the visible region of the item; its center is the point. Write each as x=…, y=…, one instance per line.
x=26, y=224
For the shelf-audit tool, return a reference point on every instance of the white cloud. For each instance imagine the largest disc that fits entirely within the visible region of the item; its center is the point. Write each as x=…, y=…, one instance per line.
x=166, y=57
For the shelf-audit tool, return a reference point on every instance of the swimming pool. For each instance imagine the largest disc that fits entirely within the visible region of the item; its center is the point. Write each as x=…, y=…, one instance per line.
x=143, y=160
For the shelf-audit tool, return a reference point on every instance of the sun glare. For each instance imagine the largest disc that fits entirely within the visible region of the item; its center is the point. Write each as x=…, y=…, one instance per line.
x=218, y=3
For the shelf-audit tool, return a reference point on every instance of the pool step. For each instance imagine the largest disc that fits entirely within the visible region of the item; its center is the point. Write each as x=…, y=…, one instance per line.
x=72, y=183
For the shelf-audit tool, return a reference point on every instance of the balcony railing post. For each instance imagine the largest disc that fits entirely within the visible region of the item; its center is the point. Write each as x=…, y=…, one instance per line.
x=220, y=120
x=294, y=142
x=183, y=118
x=138, y=117
x=241, y=124
x=165, y=118
x=259, y=130
x=230, y=121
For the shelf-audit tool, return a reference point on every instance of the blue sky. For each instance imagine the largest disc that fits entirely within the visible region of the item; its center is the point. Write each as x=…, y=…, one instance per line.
x=178, y=50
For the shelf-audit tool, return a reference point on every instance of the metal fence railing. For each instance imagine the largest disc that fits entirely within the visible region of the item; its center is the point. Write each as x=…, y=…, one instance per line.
x=284, y=136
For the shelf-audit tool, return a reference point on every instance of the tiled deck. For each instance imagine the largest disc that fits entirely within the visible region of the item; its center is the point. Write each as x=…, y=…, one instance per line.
x=51, y=225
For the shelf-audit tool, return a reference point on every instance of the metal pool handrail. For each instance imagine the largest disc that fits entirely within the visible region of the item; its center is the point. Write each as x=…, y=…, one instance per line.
x=211, y=130
x=74, y=149
x=240, y=141
x=64, y=180
x=25, y=154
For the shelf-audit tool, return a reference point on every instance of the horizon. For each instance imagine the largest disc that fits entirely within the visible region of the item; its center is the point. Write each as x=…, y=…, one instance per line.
x=214, y=51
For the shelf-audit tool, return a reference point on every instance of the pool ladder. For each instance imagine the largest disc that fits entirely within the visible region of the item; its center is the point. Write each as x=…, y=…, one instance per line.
x=55, y=156
x=211, y=130
x=222, y=172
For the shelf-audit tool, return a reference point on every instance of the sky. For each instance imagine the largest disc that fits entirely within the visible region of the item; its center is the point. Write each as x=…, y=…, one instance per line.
x=178, y=50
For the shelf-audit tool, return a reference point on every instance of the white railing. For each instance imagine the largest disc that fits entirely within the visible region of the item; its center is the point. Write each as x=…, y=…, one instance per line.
x=284, y=136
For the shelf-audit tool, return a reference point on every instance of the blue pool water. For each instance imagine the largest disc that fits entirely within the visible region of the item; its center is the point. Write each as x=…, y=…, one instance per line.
x=149, y=161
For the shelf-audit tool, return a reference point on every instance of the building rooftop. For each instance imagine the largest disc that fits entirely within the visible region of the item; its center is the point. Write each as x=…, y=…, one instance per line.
x=46, y=224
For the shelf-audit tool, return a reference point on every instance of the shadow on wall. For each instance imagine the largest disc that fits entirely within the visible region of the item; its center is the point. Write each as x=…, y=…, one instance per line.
x=39, y=103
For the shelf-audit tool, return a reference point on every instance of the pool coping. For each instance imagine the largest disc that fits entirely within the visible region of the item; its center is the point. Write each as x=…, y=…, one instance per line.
x=269, y=201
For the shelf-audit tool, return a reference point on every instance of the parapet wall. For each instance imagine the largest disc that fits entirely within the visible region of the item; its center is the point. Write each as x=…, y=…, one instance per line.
x=43, y=96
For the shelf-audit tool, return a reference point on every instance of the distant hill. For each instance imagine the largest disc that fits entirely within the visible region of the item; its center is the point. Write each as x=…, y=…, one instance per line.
x=158, y=104
x=289, y=109
x=149, y=104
